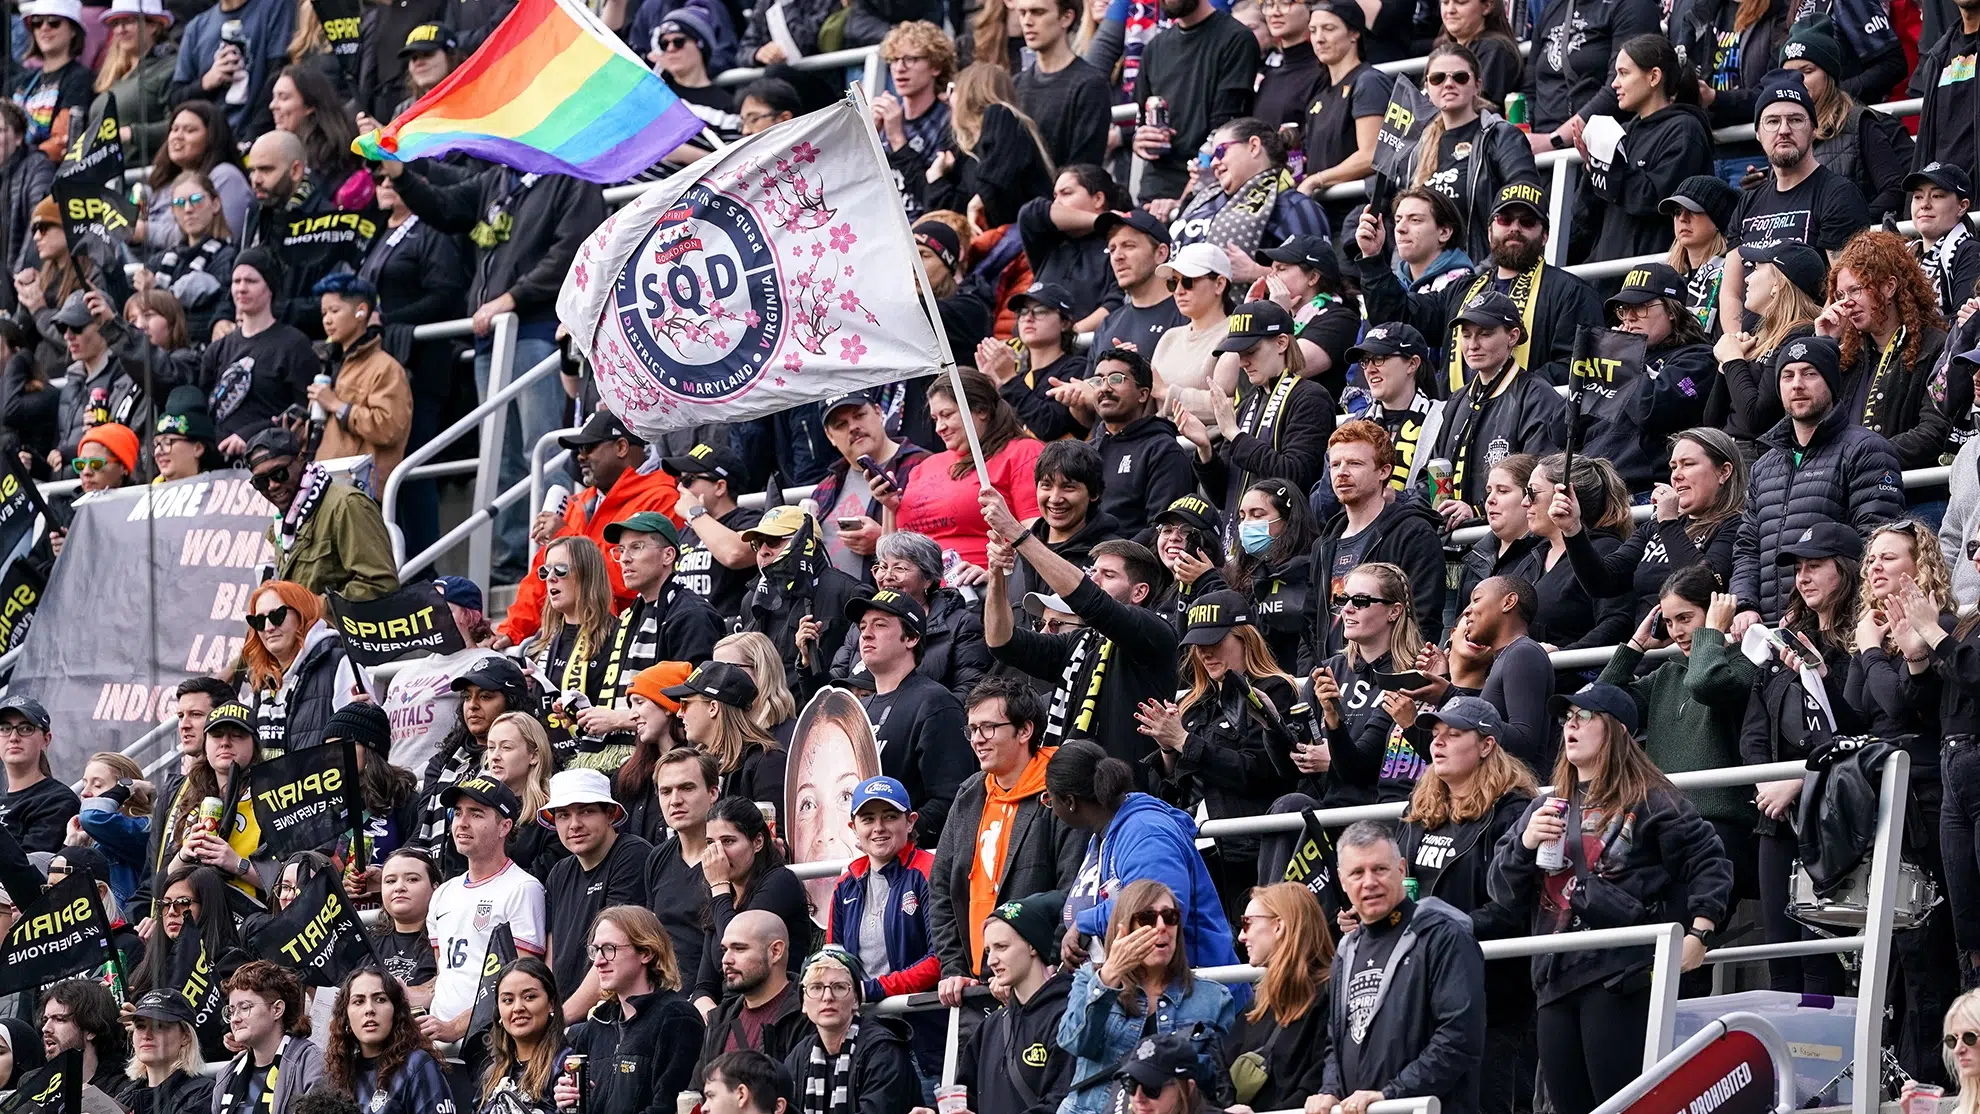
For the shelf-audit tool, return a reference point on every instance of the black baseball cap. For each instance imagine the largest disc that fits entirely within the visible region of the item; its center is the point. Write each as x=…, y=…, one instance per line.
x=850, y=398
x=1253, y=322
x=28, y=707
x=1393, y=338
x=496, y=673
x=1166, y=1057
x=599, y=428
x=704, y=460
x=1302, y=251
x=1212, y=616
x=231, y=714
x=1190, y=510
x=427, y=38
x=1804, y=266
x=1492, y=310
x=1704, y=193
x=168, y=1006
x=1824, y=539
x=1466, y=713
x=1524, y=194
x=716, y=680
x=1048, y=294
x=1646, y=284
x=486, y=789
x=1598, y=697
x=892, y=603
x=1945, y=175
x=86, y=861
x=1141, y=220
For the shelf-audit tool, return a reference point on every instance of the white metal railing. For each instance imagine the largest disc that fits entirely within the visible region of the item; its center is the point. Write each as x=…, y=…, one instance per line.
x=1759, y=1027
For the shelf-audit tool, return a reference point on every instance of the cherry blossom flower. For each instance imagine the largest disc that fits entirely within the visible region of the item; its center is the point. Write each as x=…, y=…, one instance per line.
x=850, y=349
x=848, y=301
x=752, y=319
x=793, y=362
x=843, y=238
x=804, y=152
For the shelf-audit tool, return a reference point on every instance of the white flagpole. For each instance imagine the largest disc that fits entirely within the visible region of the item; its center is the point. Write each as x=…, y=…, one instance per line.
x=857, y=94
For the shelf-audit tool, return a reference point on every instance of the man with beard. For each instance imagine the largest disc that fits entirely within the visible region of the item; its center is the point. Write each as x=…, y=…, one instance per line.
x=1550, y=303
x=800, y=599
x=1944, y=77
x=1801, y=200
x=1137, y=244
x=761, y=1008
x=1501, y=410
x=618, y=483
x=287, y=200
x=1836, y=470
x=857, y=427
x=1143, y=466
x=666, y=622
x=329, y=536
x=1204, y=65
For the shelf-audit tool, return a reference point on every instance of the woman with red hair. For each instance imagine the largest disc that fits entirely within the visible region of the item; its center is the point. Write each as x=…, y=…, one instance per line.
x=1886, y=314
x=297, y=667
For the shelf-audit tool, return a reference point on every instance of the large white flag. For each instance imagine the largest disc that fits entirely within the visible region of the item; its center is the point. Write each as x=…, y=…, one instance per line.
x=779, y=271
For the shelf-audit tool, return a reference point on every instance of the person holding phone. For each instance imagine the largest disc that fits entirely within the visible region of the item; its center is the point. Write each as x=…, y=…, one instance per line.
x=862, y=489
x=1365, y=752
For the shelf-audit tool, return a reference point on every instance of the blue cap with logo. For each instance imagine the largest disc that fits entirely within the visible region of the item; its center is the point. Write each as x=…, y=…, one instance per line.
x=882, y=788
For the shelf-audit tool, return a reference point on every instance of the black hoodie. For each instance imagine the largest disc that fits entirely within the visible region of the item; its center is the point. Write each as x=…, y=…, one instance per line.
x=1013, y=1064
x=635, y=1064
x=1098, y=527
x=1657, y=152
x=1453, y=861
x=883, y=1075
x=1629, y=420
x=1407, y=533
x=1144, y=469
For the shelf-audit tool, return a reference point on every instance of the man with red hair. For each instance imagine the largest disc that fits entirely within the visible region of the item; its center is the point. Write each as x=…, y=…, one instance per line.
x=1376, y=522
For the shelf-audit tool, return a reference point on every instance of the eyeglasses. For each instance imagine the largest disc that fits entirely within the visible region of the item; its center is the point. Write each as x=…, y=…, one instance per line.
x=1360, y=601
x=273, y=617
x=984, y=730
x=18, y=730
x=165, y=442
x=1116, y=379
x=751, y=119
x=188, y=201
x=606, y=952
x=621, y=552
x=828, y=990
x=674, y=42
x=1511, y=219
x=906, y=59
x=1968, y=1038
x=896, y=568
x=1033, y=313
x=87, y=464
x=1582, y=715
x=230, y=1011
x=560, y=570
x=178, y=904
x=1783, y=123
x=274, y=477
x=1455, y=77
x=287, y=889
x=1148, y=918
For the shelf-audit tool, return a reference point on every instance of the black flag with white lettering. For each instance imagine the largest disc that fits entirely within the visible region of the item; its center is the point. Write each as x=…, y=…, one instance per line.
x=1606, y=361
x=54, y=1088
x=501, y=951
x=61, y=933
x=318, y=935
x=307, y=798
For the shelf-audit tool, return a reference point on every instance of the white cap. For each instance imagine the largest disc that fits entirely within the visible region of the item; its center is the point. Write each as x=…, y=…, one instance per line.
x=578, y=787
x=1036, y=603
x=70, y=10
x=150, y=9
x=1198, y=260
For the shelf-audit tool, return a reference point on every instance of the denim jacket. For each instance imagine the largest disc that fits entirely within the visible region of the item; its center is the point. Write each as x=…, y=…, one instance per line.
x=1095, y=1030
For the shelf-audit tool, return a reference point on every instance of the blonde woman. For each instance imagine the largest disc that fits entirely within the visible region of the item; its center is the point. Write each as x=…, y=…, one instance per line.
x=1961, y=1045
x=1788, y=287
x=166, y=1071
x=116, y=817
x=716, y=701
x=520, y=757
x=1495, y=152
x=1276, y=1053
x=1471, y=795
x=774, y=710
x=136, y=71
x=1214, y=748
x=1376, y=611
x=570, y=648
x=999, y=161
x=1897, y=556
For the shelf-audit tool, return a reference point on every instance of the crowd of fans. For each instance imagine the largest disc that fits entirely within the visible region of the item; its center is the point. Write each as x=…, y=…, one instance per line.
x=1233, y=419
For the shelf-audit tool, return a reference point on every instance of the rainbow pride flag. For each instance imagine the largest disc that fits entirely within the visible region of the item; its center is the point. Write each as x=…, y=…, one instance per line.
x=551, y=91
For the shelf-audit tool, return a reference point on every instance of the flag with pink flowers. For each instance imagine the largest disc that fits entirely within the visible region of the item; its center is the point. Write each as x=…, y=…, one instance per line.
x=776, y=272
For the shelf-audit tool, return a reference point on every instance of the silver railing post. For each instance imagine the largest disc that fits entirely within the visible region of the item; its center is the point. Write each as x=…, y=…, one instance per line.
x=488, y=473
x=1871, y=991
x=1661, y=1030
x=1560, y=211
x=538, y=466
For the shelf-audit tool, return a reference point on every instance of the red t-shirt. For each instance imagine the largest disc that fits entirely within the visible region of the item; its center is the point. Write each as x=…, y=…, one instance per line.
x=946, y=509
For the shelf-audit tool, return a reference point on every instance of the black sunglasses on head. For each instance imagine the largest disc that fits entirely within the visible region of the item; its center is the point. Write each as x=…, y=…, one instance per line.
x=268, y=619
x=1973, y=549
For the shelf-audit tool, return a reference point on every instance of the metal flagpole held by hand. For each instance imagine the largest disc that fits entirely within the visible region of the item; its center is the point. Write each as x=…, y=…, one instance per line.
x=857, y=94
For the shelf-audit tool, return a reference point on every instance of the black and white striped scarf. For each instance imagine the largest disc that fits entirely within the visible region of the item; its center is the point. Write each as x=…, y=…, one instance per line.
x=461, y=762
x=828, y=1084
x=1061, y=716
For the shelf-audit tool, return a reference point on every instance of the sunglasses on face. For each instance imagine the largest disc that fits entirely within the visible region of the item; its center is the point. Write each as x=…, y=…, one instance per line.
x=272, y=618
x=87, y=464
x=72, y=330
x=1217, y=152
x=1360, y=601
x=1148, y=918
x=188, y=201
x=674, y=42
x=1516, y=219
x=1968, y=1038
x=1973, y=549
x=1455, y=77
x=177, y=904
x=42, y=21
x=560, y=570
x=274, y=477
x=1181, y=282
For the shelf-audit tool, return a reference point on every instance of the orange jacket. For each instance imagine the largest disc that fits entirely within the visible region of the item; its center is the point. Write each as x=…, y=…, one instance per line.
x=635, y=491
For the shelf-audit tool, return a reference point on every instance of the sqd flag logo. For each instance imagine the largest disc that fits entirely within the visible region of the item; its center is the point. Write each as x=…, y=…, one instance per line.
x=768, y=276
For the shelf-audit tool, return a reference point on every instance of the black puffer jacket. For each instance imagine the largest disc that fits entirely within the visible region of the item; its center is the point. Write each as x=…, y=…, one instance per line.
x=1630, y=422
x=633, y=1063
x=1406, y=533
x=953, y=654
x=1227, y=762
x=883, y=1071
x=1846, y=474
x=1660, y=862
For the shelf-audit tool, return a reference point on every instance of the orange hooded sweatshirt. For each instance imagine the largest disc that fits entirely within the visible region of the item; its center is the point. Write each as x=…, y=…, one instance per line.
x=635, y=491
x=993, y=834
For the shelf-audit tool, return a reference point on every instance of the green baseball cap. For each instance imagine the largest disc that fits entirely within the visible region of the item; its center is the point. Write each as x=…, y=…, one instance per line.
x=645, y=522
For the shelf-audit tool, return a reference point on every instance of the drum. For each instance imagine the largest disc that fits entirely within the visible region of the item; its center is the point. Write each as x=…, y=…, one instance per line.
x=1848, y=905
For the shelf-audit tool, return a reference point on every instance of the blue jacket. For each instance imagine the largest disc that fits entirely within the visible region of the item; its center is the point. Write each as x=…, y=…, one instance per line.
x=910, y=948
x=1153, y=840
x=123, y=840
x=1096, y=1030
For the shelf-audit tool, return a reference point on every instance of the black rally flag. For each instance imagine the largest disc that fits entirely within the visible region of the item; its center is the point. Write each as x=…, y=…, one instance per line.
x=54, y=1089
x=501, y=952
x=307, y=798
x=21, y=512
x=412, y=620
x=61, y=933
x=340, y=26
x=89, y=184
x=199, y=977
x=1409, y=112
x=318, y=935
x=1605, y=362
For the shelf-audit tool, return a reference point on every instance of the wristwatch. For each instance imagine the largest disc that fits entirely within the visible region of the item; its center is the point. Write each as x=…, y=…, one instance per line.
x=1559, y=141
x=1697, y=933
x=696, y=511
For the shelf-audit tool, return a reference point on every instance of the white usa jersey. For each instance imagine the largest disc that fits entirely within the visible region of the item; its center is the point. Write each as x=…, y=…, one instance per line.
x=464, y=914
